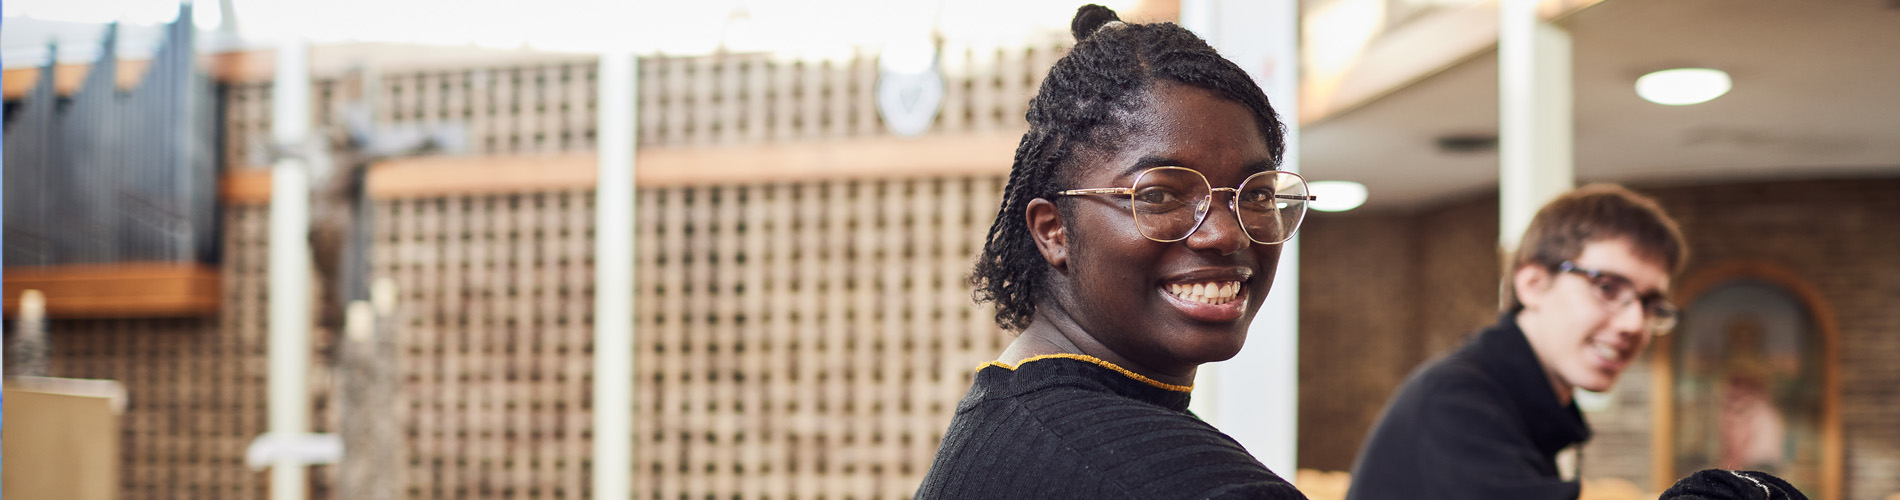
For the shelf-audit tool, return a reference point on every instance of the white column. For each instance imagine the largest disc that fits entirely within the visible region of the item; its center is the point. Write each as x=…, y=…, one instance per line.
x=613, y=277
x=289, y=351
x=1536, y=159
x=1255, y=396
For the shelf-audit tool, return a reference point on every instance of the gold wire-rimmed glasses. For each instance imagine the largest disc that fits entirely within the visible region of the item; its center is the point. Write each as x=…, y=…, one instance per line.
x=1170, y=203
x=1659, y=316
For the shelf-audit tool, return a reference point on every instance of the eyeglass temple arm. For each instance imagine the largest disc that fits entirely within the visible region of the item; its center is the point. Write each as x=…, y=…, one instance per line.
x=1074, y=192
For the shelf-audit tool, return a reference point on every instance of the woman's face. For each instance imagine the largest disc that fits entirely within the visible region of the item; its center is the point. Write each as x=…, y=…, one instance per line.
x=1137, y=296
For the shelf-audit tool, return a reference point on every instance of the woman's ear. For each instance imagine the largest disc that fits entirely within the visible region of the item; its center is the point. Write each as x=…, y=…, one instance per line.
x=1531, y=283
x=1045, y=225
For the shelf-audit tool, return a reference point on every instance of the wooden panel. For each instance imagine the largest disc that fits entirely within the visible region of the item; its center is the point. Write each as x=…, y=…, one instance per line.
x=64, y=438
x=455, y=175
x=246, y=186
x=881, y=157
x=124, y=290
x=471, y=175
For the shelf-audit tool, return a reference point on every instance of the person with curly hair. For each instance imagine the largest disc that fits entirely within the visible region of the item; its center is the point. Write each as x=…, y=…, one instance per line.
x=1137, y=238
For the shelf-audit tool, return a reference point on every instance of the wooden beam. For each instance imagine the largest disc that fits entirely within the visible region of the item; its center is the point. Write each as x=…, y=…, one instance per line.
x=121, y=290
x=874, y=157
x=465, y=175
x=245, y=186
x=750, y=164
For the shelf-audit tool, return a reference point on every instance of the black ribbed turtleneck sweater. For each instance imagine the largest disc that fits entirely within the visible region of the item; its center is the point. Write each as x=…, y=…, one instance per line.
x=1073, y=426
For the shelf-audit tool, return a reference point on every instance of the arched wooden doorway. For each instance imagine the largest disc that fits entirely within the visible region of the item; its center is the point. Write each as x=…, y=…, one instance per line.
x=1749, y=380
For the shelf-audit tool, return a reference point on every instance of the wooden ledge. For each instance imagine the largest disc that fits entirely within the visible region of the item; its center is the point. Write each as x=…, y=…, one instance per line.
x=122, y=290
x=872, y=157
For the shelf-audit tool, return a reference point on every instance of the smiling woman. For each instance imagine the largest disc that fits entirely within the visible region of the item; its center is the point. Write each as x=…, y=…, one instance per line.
x=1124, y=268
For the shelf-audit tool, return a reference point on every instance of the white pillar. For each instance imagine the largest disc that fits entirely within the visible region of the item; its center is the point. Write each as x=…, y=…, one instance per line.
x=1255, y=396
x=1536, y=159
x=613, y=277
x=289, y=351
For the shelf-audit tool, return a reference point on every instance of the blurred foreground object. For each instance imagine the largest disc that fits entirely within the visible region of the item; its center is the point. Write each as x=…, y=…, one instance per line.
x=62, y=438
x=1321, y=484
x=1331, y=485
x=1718, y=484
x=372, y=463
x=26, y=350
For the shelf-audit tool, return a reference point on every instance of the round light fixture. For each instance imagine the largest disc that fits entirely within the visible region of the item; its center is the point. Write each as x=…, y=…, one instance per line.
x=1683, y=86
x=1337, y=196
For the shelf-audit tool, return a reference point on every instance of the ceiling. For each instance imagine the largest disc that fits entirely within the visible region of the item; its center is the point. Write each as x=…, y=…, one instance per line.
x=1816, y=94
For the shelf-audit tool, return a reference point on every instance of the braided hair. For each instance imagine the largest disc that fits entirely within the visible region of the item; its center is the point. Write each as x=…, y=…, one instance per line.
x=1084, y=106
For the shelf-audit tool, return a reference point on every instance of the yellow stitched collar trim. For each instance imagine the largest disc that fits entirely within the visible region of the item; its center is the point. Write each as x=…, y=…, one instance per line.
x=1098, y=361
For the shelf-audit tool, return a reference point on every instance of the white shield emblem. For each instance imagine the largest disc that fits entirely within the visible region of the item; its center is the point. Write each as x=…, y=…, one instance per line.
x=909, y=89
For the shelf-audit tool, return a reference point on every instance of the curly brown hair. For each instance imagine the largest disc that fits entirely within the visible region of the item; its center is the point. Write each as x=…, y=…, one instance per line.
x=1591, y=213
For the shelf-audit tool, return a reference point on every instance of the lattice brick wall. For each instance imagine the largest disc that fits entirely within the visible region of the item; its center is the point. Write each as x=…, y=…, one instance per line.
x=802, y=340
x=684, y=101
x=797, y=341
x=195, y=387
x=806, y=340
x=496, y=343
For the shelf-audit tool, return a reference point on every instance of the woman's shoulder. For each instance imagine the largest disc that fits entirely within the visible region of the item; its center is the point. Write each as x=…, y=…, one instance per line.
x=1086, y=419
x=1075, y=386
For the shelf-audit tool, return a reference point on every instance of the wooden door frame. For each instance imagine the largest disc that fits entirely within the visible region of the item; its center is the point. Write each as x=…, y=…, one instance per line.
x=1662, y=374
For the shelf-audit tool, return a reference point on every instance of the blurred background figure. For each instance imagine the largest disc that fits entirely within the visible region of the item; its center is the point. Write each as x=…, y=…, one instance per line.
x=1586, y=292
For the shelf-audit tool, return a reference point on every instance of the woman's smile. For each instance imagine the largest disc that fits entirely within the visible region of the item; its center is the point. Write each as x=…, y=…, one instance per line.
x=1210, y=301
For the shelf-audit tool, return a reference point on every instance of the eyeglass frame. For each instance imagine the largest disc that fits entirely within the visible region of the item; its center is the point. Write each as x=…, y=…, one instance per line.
x=1659, y=316
x=1232, y=201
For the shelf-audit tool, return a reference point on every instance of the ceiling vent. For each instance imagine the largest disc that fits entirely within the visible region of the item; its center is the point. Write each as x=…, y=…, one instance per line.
x=1469, y=143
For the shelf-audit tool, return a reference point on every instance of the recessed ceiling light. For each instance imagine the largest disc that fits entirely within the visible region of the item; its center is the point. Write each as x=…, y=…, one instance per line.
x=1682, y=86
x=1338, y=196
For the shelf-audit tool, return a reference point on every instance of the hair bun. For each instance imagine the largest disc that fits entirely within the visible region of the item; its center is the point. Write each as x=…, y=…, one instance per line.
x=1089, y=18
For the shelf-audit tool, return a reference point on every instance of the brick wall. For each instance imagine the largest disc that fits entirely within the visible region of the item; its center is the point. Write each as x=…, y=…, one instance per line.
x=1351, y=356
x=1843, y=237
x=1432, y=276
x=1381, y=293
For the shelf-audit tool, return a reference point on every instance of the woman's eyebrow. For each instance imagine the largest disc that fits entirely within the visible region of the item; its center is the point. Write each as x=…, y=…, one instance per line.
x=1151, y=161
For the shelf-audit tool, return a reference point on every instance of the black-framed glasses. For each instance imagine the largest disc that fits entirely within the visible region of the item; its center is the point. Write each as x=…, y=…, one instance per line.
x=1170, y=203
x=1618, y=291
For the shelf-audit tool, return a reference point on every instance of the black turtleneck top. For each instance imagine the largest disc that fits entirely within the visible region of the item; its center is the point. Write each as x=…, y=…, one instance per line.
x=1481, y=422
x=1074, y=426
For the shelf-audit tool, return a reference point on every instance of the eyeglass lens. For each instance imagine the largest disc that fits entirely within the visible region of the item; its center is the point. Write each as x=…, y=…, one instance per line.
x=1619, y=292
x=1170, y=203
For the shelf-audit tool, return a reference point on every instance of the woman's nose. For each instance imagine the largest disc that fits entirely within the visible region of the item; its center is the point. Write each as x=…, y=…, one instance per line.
x=1220, y=231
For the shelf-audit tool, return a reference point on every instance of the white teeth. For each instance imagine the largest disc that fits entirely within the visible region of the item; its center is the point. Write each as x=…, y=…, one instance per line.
x=1606, y=352
x=1206, y=293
